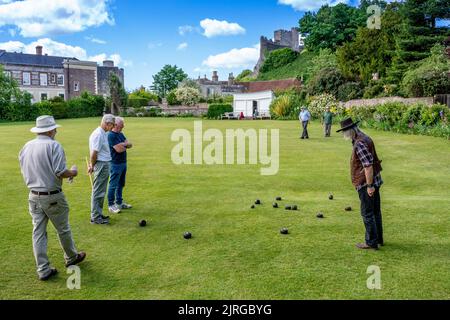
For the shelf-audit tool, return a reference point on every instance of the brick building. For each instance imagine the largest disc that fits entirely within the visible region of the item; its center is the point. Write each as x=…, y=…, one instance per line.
x=46, y=77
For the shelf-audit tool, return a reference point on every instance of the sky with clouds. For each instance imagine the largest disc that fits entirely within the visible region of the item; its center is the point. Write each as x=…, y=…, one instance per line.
x=142, y=36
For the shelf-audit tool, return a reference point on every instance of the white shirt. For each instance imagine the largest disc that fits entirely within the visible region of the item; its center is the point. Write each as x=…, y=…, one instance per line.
x=98, y=141
x=42, y=161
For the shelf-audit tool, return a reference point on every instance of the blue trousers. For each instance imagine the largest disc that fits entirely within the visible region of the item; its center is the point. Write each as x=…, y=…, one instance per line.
x=116, y=183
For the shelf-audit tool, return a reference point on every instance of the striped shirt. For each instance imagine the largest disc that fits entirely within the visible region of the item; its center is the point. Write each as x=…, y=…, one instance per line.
x=42, y=162
x=366, y=159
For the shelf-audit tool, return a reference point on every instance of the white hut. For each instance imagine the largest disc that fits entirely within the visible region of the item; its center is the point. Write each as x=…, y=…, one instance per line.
x=253, y=104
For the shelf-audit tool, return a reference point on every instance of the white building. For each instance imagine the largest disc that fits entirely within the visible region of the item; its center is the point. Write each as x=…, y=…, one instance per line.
x=251, y=104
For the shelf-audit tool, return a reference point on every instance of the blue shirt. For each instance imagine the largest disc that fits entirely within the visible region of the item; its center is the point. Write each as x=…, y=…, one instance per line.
x=114, y=139
x=305, y=116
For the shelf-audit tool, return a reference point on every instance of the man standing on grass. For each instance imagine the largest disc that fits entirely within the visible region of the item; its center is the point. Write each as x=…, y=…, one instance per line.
x=118, y=144
x=366, y=177
x=99, y=167
x=43, y=166
x=327, y=122
x=304, y=118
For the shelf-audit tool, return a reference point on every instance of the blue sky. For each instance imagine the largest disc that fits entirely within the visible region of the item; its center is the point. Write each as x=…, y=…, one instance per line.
x=142, y=36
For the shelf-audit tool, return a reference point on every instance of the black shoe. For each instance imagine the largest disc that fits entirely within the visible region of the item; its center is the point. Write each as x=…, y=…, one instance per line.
x=80, y=257
x=100, y=221
x=303, y=138
x=53, y=272
x=105, y=217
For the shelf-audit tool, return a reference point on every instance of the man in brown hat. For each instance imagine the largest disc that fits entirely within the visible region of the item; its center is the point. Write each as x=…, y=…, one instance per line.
x=43, y=166
x=366, y=177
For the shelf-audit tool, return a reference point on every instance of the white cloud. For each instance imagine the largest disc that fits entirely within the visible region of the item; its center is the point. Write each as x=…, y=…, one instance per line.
x=95, y=40
x=235, y=58
x=183, y=30
x=310, y=5
x=214, y=28
x=182, y=46
x=54, y=48
x=12, y=32
x=35, y=18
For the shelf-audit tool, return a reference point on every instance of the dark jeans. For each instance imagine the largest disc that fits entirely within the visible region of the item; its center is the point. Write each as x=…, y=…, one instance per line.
x=116, y=183
x=305, y=129
x=327, y=130
x=371, y=214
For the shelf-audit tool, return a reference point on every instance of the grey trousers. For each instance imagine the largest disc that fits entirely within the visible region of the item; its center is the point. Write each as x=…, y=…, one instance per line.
x=55, y=209
x=100, y=184
x=327, y=128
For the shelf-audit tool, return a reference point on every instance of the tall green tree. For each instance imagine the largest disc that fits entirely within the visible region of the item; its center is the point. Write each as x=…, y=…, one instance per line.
x=168, y=79
x=417, y=34
x=331, y=27
x=119, y=96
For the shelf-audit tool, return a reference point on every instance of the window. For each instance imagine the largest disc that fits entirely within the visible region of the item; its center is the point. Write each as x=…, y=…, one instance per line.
x=61, y=95
x=43, y=79
x=53, y=79
x=44, y=96
x=26, y=79
x=7, y=74
x=76, y=86
x=60, y=80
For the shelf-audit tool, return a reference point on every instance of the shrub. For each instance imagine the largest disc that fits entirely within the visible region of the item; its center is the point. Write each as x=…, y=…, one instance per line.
x=287, y=106
x=278, y=58
x=137, y=102
x=328, y=80
x=349, y=91
x=375, y=89
x=429, y=77
x=217, y=110
x=187, y=96
x=319, y=104
x=172, y=98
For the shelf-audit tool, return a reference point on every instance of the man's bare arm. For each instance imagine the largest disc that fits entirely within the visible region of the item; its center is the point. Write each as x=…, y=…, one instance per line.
x=369, y=175
x=120, y=148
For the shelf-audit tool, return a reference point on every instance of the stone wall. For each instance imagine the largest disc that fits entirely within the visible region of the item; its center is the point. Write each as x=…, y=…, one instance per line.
x=199, y=110
x=373, y=102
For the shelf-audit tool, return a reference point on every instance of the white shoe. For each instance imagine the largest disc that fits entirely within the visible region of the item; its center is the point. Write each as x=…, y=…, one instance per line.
x=114, y=209
x=125, y=206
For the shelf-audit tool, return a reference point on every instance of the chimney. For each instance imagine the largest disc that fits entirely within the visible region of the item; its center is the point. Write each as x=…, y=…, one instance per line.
x=39, y=50
x=215, y=77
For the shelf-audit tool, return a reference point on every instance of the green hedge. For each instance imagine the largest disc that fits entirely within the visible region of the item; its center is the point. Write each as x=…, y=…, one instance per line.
x=216, y=110
x=137, y=102
x=401, y=118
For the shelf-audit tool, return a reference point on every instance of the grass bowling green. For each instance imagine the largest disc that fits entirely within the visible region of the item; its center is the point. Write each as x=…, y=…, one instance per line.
x=237, y=252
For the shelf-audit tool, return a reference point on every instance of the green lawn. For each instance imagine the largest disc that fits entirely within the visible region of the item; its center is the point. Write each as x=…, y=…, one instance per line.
x=236, y=252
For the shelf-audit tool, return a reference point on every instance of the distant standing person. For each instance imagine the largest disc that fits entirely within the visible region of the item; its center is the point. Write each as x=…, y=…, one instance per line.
x=99, y=167
x=43, y=166
x=366, y=170
x=119, y=145
x=327, y=122
x=304, y=118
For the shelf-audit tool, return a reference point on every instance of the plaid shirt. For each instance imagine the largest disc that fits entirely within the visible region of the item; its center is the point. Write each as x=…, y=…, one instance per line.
x=366, y=159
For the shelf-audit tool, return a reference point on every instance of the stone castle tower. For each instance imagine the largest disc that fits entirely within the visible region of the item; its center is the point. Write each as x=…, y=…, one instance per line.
x=282, y=39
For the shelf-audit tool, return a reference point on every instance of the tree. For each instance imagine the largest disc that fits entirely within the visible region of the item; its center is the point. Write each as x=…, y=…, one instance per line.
x=417, y=33
x=430, y=77
x=187, y=96
x=119, y=96
x=168, y=79
x=330, y=27
x=244, y=75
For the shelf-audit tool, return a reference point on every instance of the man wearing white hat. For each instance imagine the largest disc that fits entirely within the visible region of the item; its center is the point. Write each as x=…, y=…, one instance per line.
x=43, y=166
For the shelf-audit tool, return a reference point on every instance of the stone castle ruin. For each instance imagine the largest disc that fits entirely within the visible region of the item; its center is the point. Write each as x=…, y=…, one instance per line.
x=282, y=39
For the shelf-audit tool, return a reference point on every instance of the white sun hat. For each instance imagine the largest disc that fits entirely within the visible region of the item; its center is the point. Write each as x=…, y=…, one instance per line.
x=45, y=124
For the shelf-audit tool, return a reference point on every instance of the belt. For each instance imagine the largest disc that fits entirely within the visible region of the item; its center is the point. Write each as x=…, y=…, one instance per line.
x=45, y=193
